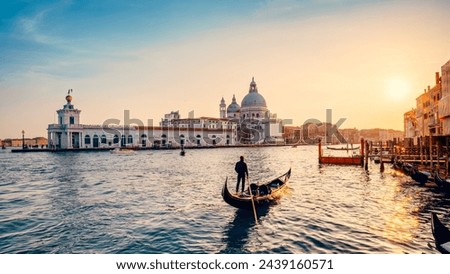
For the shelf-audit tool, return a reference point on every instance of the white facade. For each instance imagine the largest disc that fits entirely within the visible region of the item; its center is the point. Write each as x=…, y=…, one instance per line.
x=69, y=133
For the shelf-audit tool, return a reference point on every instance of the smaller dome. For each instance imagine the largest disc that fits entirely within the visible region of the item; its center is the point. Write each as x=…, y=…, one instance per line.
x=233, y=107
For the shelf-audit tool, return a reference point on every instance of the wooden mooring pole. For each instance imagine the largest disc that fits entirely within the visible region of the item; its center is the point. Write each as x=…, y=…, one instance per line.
x=366, y=167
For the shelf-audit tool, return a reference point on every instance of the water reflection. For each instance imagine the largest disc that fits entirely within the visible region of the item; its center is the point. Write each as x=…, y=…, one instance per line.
x=236, y=234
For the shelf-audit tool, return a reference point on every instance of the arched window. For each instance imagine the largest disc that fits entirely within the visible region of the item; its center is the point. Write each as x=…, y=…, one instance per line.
x=130, y=139
x=144, y=140
x=123, y=141
x=95, y=141
x=103, y=139
x=257, y=115
x=164, y=139
x=116, y=139
x=87, y=140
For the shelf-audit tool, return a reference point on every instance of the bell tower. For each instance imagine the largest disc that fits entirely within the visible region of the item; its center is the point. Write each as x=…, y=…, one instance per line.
x=223, y=109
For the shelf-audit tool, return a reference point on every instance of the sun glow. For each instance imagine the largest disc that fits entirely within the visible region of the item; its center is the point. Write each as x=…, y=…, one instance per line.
x=397, y=89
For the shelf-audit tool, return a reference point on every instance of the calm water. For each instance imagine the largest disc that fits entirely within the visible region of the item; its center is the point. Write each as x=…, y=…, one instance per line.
x=159, y=202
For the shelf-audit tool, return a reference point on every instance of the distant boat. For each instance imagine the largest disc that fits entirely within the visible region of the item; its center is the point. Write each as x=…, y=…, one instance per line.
x=353, y=159
x=441, y=234
x=342, y=148
x=122, y=151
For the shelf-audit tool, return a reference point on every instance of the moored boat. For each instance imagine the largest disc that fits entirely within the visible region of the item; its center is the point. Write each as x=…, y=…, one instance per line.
x=441, y=234
x=420, y=176
x=262, y=194
x=343, y=148
x=122, y=151
x=444, y=184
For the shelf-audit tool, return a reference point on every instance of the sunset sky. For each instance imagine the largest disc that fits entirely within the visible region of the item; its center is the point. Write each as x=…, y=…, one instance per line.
x=365, y=60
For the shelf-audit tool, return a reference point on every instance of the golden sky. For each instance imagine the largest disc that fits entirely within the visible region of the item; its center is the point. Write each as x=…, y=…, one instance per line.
x=365, y=60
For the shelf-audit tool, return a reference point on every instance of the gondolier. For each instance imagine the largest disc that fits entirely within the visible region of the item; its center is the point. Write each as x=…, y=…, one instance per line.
x=242, y=171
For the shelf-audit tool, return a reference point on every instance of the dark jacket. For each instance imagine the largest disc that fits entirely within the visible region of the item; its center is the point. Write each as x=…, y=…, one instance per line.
x=241, y=168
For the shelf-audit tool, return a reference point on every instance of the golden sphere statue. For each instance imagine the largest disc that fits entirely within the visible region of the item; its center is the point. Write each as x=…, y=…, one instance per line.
x=69, y=98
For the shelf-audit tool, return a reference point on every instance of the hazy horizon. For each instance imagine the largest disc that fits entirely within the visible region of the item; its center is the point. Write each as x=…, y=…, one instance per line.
x=365, y=60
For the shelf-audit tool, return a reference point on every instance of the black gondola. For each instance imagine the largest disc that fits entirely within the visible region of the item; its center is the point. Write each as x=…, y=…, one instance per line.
x=262, y=194
x=444, y=184
x=420, y=176
x=441, y=234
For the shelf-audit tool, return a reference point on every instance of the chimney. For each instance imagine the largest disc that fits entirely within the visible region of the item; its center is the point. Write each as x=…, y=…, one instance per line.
x=437, y=78
x=428, y=88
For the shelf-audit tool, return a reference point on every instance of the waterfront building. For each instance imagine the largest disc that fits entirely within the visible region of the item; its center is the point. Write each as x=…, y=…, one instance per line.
x=256, y=124
x=410, y=124
x=70, y=133
x=444, y=102
x=292, y=134
x=168, y=118
x=422, y=114
x=219, y=131
x=427, y=111
x=435, y=93
x=29, y=142
x=351, y=135
x=425, y=119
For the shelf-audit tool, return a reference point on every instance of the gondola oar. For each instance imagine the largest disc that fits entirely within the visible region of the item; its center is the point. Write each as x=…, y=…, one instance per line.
x=253, y=202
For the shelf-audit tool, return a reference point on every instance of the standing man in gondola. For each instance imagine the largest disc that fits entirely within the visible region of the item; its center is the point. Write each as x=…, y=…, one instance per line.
x=242, y=171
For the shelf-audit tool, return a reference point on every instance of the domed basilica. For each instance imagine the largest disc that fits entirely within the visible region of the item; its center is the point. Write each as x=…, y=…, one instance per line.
x=255, y=122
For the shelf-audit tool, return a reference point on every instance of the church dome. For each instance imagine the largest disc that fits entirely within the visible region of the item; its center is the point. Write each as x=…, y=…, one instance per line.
x=233, y=107
x=253, y=98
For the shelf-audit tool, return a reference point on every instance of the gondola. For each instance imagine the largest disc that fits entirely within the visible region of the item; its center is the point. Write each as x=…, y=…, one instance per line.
x=441, y=234
x=397, y=166
x=262, y=194
x=420, y=176
x=444, y=184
